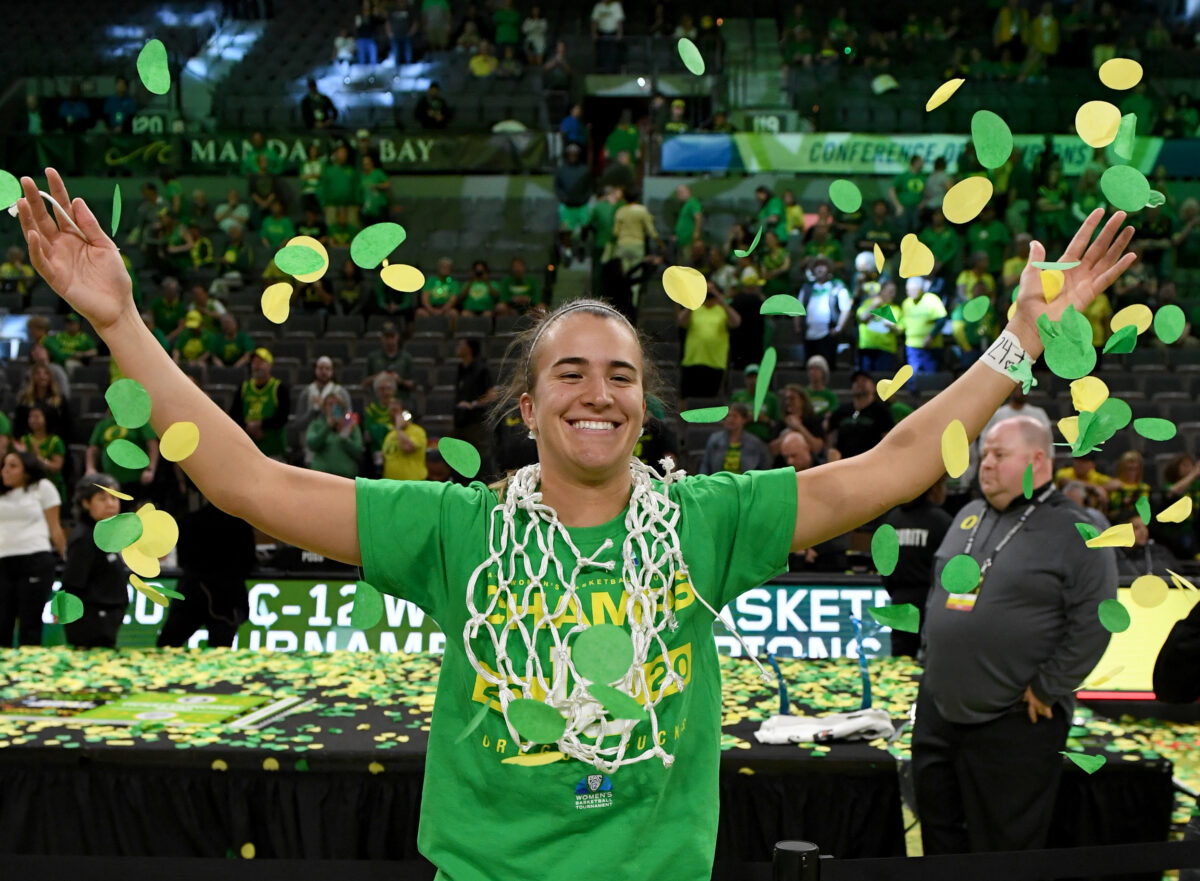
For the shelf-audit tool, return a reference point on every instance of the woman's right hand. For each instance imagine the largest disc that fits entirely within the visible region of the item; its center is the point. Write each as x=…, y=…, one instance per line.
x=89, y=275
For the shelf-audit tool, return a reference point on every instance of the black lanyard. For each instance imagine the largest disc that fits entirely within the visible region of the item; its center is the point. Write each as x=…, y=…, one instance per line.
x=987, y=564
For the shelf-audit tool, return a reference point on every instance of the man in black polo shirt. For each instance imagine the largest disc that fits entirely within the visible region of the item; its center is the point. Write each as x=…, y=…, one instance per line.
x=856, y=427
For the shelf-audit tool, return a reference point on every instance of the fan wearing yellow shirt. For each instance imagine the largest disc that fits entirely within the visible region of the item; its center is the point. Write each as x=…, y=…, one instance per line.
x=921, y=316
x=404, y=447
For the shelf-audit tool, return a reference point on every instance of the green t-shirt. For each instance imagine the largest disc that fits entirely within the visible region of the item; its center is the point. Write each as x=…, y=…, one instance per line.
x=735, y=532
x=5, y=425
x=441, y=290
x=47, y=448
x=909, y=188
x=780, y=284
x=623, y=139
x=773, y=206
x=507, y=23
x=823, y=401
x=377, y=422
x=228, y=351
x=191, y=344
x=603, y=213
x=991, y=238
x=168, y=315
x=70, y=343
x=874, y=332
x=258, y=404
x=277, y=231
x=528, y=287
x=943, y=244
x=478, y=297
x=340, y=185
x=685, y=224
x=107, y=431
x=374, y=201
x=400, y=363
x=770, y=410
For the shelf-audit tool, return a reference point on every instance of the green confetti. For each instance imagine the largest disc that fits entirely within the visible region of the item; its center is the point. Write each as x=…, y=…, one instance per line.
x=1114, y=616
x=1154, y=429
x=975, y=308
x=298, y=260
x=1022, y=372
x=704, y=414
x=1156, y=199
x=960, y=574
x=460, y=455
x=1125, y=187
x=602, y=653
x=1123, y=144
x=475, y=722
x=885, y=549
x=127, y=454
x=114, y=534
x=1063, y=265
x=536, y=721
x=765, y=370
x=739, y=253
x=1097, y=427
x=1087, y=531
x=1169, y=321
x=1142, y=505
x=10, y=190
x=690, y=56
x=1090, y=764
x=903, y=617
x=129, y=402
x=1068, y=341
x=845, y=196
x=168, y=592
x=66, y=607
x=153, y=69
x=782, y=304
x=1122, y=342
x=618, y=704
x=1027, y=481
x=116, y=212
x=372, y=246
x=301, y=765
x=368, y=606
x=886, y=313
x=993, y=138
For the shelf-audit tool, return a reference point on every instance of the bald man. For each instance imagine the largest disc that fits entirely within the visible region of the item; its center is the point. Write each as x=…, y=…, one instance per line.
x=1003, y=659
x=795, y=450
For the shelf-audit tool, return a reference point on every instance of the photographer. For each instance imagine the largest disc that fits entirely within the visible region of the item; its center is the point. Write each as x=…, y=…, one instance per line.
x=335, y=441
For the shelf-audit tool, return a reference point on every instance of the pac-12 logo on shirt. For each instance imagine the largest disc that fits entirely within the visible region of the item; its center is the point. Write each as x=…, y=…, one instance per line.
x=593, y=791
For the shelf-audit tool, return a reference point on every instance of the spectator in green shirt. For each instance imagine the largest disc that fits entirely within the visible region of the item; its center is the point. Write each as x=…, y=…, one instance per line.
x=169, y=310
x=238, y=256
x=907, y=192
x=603, y=214
x=440, y=291
x=49, y=449
x=191, y=346
x=340, y=190
x=624, y=137
x=230, y=346
x=763, y=424
x=7, y=441
x=258, y=147
x=824, y=400
x=277, y=228
x=519, y=291
x=689, y=225
x=1052, y=217
x=507, y=24
x=133, y=481
x=772, y=216
x=390, y=359
x=479, y=293
x=375, y=189
x=75, y=346
x=334, y=440
x=945, y=243
x=990, y=235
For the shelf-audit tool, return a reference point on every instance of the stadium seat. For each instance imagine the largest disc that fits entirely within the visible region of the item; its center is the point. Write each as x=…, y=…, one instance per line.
x=431, y=326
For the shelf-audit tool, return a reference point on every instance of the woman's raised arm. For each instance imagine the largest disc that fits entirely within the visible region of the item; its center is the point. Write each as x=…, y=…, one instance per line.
x=842, y=495
x=305, y=508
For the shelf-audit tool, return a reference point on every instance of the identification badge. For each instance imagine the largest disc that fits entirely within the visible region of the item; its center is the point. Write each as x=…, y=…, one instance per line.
x=961, y=602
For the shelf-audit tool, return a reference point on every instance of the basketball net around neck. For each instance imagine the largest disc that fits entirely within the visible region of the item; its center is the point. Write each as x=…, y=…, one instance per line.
x=651, y=559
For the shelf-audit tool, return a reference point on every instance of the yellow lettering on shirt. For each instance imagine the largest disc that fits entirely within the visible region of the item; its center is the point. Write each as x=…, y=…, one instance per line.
x=968, y=522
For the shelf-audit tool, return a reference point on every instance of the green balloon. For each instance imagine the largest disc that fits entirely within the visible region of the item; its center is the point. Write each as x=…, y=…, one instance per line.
x=602, y=653
x=372, y=246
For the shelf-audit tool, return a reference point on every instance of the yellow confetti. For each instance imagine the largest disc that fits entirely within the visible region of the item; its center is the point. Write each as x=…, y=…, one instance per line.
x=1179, y=581
x=179, y=441
x=956, y=452
x=942, y=94
x=310, y=242
x=277, y=302
x=146, y=590
x=160, y=532
x=1088, y=393
x=115, y=493
x=141, y=563
x=375, y=768
x=888, y=387
x=966, y=199
x=1011, y=309
x=748, y=772
x=1176, y=512
x=1052, y=283
x=1103, y=678
x=879, y=261
x=1119, y=536
x=532, y=760
x=1096, y=123
x=402, y=277
x=915, y=257
x=1120, y=73
x=686, y=286
x=270, y=764
x=1148, y=591
x=220, y=765
x=248, y=850
x=1139, y=315
x=1068, y=426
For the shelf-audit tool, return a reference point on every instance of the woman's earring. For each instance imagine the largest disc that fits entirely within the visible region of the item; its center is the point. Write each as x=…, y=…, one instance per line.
x=533, y=434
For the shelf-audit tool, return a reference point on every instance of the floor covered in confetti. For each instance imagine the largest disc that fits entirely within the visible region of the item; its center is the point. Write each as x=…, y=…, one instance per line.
x=340, y=776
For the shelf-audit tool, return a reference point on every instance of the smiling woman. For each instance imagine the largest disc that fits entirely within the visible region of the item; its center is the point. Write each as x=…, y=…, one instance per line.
x=587, y=537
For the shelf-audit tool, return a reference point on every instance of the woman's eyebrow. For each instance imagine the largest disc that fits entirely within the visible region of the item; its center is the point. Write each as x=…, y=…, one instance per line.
x=580, y=361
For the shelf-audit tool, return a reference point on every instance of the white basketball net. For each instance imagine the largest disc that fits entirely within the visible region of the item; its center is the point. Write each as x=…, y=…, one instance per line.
x=651, y=559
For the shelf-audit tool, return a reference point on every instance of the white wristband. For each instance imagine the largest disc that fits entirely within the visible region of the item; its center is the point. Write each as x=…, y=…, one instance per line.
x=1004, y=354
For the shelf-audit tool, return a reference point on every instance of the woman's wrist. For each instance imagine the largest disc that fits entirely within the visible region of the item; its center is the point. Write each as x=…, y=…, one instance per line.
x=1027, y=335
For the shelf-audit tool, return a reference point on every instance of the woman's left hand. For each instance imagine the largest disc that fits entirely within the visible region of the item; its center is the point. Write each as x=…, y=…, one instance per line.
x=1100, y=264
